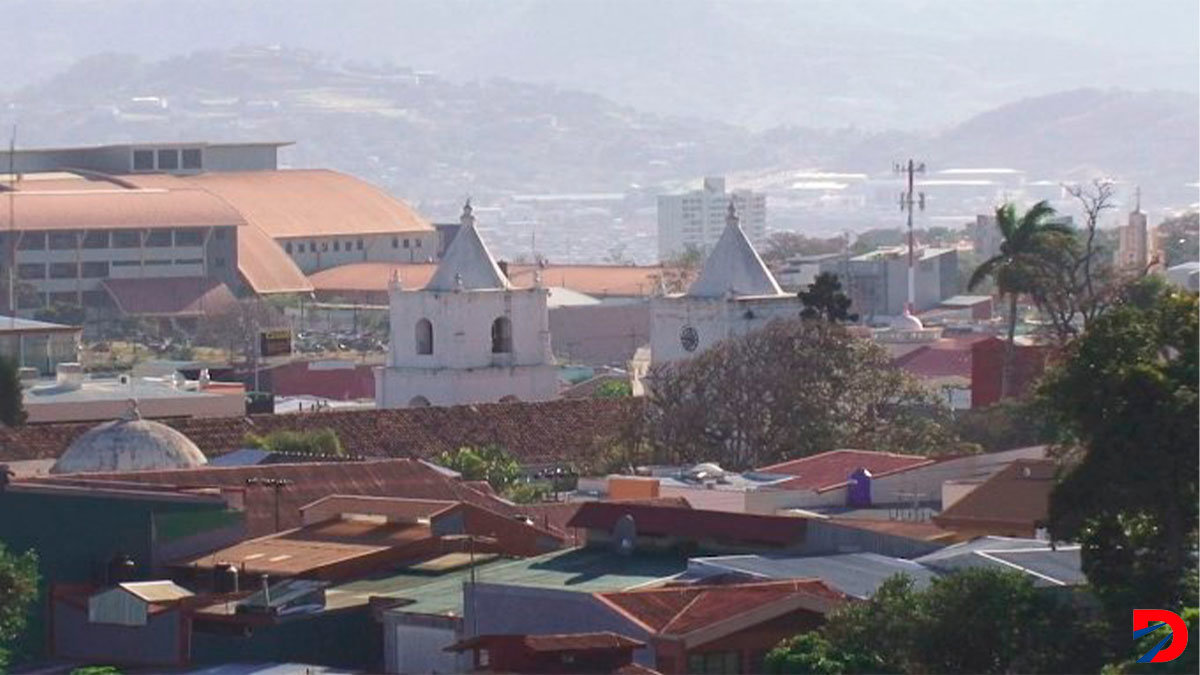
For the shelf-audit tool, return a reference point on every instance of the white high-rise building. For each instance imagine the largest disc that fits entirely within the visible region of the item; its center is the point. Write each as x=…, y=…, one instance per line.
x=468, y=336
x=697, y=218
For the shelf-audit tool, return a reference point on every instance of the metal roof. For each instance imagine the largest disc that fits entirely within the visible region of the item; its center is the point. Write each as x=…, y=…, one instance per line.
x=19, y=325
x=855, y=574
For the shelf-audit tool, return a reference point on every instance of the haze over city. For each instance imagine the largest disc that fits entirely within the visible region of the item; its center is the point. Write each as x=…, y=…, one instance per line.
x=599, y=337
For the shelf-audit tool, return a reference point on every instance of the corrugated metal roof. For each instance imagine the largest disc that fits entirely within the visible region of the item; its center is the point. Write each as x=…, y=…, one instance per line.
x=592, y=280
x=156, y=591
x=831, y=469
x=856, y=574
x=119, y=209
x=682, y=610
x=697, y=524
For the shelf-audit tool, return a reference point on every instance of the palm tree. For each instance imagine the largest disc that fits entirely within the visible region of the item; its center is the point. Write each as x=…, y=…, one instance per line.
x=1026, y=240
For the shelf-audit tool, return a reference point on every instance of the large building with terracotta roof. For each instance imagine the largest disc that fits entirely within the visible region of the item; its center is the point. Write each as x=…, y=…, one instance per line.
x=105, y=226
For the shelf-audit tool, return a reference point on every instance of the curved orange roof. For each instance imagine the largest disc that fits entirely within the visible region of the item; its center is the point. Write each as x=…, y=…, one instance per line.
x=302, y=202
x=118, y=209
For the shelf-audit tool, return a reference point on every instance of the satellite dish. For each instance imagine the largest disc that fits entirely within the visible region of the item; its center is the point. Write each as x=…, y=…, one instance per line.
x=624, y=535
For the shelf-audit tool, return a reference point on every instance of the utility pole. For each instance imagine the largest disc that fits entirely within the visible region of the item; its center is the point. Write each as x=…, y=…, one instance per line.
x=907, y=200
x=12, y=230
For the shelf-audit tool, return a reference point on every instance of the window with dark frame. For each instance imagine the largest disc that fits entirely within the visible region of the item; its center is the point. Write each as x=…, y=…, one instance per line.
x=191, y=158
x=168, y=159
x=143, y=160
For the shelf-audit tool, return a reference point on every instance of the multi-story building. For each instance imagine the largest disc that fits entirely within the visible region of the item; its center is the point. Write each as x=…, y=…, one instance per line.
x=696, y=219
x=877, y=282
x=124, y=226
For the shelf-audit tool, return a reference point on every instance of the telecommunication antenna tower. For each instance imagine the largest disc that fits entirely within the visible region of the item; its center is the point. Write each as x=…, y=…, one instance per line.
x=909, y=199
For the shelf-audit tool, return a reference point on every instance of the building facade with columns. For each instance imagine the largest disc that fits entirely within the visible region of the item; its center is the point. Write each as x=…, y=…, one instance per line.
x=468, y=336
x=734, y=294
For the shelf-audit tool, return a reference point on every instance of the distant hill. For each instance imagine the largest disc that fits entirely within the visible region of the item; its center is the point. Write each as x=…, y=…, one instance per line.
x=1154, y=134
x=428, y=138
x=870, y=64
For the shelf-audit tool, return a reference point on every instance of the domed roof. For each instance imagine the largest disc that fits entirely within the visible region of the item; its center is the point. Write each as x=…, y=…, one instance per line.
x=907, y=321
x=129, y=444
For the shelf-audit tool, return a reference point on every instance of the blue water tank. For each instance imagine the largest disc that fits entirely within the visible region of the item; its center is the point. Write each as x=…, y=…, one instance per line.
x=858, y=492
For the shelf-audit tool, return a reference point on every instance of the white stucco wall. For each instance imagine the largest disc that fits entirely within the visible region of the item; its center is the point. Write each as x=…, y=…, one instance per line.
x=462, y=367
x=713, y=319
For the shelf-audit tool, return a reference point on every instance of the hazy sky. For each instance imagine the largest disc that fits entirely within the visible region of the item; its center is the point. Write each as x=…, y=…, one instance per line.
x=875, y=63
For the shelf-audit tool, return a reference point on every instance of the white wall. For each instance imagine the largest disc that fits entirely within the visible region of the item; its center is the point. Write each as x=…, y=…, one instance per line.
x=462, y=367
x=390, y=247
x=418, y=649
x=713, y=319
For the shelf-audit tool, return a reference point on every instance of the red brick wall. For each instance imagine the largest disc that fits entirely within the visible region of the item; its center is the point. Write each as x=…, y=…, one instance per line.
x=295, y=378
x=987, y=364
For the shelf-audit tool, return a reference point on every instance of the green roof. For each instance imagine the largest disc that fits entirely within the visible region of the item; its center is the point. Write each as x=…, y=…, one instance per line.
x=582, y=570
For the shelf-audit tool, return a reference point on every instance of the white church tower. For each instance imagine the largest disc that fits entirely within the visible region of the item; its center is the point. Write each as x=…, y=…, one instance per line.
x=468, y=336
x=734, y=294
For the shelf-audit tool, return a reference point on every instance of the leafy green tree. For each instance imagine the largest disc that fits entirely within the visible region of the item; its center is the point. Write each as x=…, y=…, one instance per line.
x=318, y=442
x=12, y=405
x=790, y=389
x=613, y=389
x=1005, y=425
x=490, y=463
x=18, y=589
x=1126, y=393
x=812, y=653
x=974, y=621
x=1027, y=239
x=825, y=300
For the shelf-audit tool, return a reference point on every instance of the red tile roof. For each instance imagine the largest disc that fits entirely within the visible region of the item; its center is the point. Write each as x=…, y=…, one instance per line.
x=725, y=526
x=832, y=469
x=560, y=642
x=679, y=610
x=580, y=641
x=535, y=432
x=556, y=515
x=600, y=280
x=1017, y=499
x=308, y=483
x=170, y=296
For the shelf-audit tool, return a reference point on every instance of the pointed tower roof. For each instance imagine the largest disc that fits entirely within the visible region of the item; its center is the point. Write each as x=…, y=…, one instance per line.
x=734, y=266
x=467, y=264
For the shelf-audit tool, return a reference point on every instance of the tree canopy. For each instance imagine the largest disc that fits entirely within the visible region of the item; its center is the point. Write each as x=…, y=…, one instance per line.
x=1126, y=395
x=490, y=463
x=318, y=442
x=12, y=405
x=974, y=621
x=18, y=589
x=796, y=387
x=825, y=300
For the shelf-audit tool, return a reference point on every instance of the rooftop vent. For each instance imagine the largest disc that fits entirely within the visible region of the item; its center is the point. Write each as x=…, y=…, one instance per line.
x=69, y=376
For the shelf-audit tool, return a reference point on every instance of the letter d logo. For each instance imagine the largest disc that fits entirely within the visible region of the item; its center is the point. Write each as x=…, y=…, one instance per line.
x=1142, y=620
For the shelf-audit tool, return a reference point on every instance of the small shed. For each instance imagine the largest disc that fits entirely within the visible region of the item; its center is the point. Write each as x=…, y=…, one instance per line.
x=131, y=603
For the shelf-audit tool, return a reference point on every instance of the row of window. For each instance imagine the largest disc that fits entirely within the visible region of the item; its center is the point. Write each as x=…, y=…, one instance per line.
x=168, y=159
x=501, y=336
x=91, y=269
x=72, y=239
x=90, y=299
x=356, y=245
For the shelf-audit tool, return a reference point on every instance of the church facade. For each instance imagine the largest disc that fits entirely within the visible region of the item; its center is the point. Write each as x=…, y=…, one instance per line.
x=468, y=336
x=734, y=294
